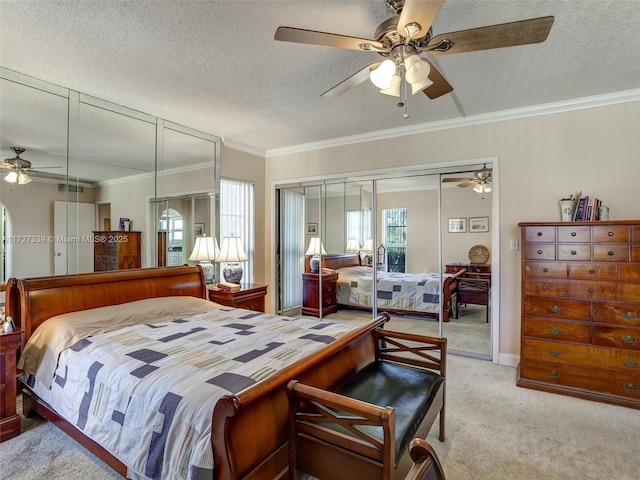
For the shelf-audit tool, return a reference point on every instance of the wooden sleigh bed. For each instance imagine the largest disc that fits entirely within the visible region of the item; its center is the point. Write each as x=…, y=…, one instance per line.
x=248, y=428
x=343, y=263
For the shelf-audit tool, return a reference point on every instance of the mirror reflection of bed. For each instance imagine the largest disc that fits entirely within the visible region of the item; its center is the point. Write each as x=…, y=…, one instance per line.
x=411, y=299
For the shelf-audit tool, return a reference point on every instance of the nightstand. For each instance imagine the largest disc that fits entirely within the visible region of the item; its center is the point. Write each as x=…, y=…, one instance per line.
x=311, y=294
x=9, y=419
x=250, y=296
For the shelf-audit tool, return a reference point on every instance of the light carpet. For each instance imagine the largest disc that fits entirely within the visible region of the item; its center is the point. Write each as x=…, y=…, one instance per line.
x=494, y=431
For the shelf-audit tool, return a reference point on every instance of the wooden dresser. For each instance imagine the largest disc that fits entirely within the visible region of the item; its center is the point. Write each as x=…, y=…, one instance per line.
x=116, y=250
x=581, y=310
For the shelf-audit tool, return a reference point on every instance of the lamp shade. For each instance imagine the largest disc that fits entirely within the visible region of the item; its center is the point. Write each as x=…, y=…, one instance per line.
x=11, y=177
x=368, y=245
x=232, y=250
x=23, y=178
x=381, y=76
x=206, y=248
x=315, y=247
x=352, y=246
x=417, y=73
x=394, y=88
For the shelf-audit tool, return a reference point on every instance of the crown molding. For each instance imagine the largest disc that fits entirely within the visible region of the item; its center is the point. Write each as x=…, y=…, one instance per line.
x=243, y=147
x=513, y=114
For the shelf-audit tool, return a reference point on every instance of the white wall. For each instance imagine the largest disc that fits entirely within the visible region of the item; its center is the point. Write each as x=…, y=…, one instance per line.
x=541, y=159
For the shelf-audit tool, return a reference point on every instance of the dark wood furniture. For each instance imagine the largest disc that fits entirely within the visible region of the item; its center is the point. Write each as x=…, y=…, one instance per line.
x=311, y=297
x=249, y=429
x=449, y=286
x=581, y=310
x=114, y=250
x=474, y=285
x=362, y=429
x=426, y=465
x=250, y=296
x=9, y=418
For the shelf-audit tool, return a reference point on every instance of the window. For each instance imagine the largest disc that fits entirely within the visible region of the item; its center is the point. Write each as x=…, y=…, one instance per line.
x=394, y=238
x=237, y=219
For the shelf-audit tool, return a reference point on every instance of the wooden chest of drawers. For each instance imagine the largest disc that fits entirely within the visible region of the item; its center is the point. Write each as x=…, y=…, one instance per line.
x=311, y=297
x=581, y=310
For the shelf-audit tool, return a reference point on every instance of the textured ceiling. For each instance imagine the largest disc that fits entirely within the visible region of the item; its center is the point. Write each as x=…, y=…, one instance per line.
x=214, y=65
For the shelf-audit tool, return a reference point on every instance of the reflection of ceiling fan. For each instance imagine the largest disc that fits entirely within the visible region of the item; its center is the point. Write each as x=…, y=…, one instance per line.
x=17, y=168
x=481, y=180
x=402, y=38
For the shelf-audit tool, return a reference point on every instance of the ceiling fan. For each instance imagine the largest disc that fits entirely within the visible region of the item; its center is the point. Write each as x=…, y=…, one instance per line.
x=17, y=168
x=401, y=40
x=481, y=180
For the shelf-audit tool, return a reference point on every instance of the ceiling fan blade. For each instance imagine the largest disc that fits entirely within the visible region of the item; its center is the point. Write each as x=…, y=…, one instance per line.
x=5, y=165
x=299, y=35
x=420, y=12
x=457, y=179
x=353, y=81
x=440, y=86
x=523, y=32
x=468, y=183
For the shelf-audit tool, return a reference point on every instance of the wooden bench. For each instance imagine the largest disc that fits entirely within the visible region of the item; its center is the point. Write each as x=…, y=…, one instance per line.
x=363, y=427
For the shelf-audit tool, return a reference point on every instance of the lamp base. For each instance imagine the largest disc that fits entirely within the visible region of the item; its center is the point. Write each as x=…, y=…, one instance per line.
x=208, y=269
x=314, y=264
x=232, y=273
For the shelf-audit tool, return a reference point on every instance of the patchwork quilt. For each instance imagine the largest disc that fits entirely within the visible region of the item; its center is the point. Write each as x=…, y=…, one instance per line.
x=146, y=392
x=419, y=292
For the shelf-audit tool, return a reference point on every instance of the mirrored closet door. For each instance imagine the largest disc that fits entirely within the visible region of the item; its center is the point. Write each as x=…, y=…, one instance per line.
x=385, y=244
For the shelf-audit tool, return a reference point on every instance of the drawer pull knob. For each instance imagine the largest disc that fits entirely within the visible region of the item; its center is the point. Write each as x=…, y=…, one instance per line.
x=555, y=331
x=630, y=363
x=610, y=234
x=629, y=315
x=611, y=253
x=573, y=234
x=554, y=374
x=555, y=309
x=539, y=234
x=545, y=288
x=554, y=353
x=629, y=339
x=573, y=252
x=592, y=272
x=539, y=252
x=545, y=270
x=591, y=290
x=630, y=387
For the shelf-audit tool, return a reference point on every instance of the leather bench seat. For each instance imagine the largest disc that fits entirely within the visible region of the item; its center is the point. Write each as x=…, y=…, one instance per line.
x=410, y=391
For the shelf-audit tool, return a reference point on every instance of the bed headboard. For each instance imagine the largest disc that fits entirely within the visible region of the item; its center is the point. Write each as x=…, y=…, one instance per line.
x=44, y=297
x=340, y=260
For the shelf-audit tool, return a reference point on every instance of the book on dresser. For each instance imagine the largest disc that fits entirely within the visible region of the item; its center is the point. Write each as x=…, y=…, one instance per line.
x=580, y=332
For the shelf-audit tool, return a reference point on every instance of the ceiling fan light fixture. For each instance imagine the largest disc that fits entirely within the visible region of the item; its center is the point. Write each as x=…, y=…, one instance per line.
x=23, y=178
x=383, y=75
x=478, y=188
x=487, y=187
x=420, y=86
x=11, y=177
x=394, y=88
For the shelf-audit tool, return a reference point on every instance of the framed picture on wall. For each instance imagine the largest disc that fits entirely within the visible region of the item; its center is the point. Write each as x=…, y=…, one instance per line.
x=312, y=228
x=198, y=229
x=478, y=224
x=457, y=225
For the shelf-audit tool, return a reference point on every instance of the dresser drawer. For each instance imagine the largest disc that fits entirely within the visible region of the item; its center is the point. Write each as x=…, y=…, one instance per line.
x=568, y=309
x=574, y=234
x=611, y=253
x=545, y=269
x=594, y=356
x=630, y=273
x=593, y=290
x=620, y=314
x=635, y=253
x=629, y=292
x=611, y=233
x=544, y=288
x=583, y=378
x=617, y=337
x=556, y=330
x=540, y=234
x=574, y=252
x=593, y=271
x=540, y=252
x=635, y=234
